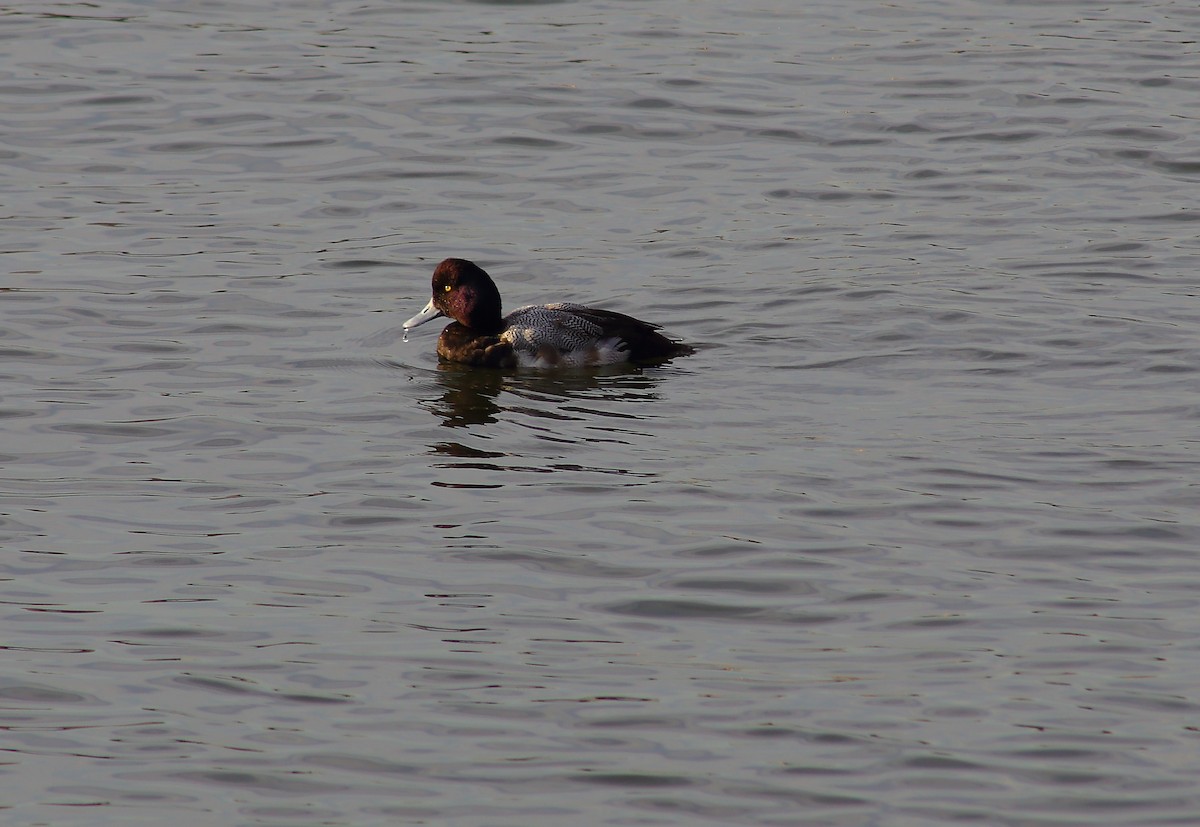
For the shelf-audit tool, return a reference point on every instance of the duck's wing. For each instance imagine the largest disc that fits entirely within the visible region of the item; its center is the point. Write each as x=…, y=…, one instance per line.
x=564, y=327
x=577, y=335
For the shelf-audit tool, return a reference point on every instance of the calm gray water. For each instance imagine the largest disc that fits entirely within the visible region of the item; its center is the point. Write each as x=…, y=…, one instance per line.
x=912, y=540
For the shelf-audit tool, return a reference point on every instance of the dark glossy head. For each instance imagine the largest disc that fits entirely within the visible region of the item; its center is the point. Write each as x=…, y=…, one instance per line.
x=465, y=293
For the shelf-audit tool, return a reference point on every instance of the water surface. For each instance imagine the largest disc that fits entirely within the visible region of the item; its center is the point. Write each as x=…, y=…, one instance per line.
x=911, y=540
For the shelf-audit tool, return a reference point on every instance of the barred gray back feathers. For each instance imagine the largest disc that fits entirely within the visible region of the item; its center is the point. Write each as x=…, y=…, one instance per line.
x=560, y=326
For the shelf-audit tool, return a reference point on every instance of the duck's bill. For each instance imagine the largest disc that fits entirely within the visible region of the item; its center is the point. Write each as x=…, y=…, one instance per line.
x=428, y=314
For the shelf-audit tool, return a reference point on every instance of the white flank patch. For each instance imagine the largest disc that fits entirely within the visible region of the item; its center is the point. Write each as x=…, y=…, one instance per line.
x=605, y=352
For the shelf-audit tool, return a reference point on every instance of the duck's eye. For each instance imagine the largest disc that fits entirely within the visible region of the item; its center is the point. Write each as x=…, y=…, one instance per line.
x=447, y=289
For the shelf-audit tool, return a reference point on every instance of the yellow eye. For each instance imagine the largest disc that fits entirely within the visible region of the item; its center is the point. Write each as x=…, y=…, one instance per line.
x=447, y=288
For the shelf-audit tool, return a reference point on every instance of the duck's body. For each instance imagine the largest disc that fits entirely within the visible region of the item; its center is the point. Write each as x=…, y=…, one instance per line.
x=537, y=336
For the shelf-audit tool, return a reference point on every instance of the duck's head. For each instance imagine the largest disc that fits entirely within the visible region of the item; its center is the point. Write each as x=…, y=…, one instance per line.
x=465, y=293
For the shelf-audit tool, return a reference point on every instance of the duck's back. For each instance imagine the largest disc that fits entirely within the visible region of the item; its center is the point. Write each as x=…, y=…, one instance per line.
x=574, y=335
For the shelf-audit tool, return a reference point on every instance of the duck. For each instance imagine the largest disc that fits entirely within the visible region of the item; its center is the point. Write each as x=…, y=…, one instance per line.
x=542, y=336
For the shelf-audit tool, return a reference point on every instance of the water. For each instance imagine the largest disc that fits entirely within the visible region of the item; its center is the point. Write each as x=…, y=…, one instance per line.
x=911, y=540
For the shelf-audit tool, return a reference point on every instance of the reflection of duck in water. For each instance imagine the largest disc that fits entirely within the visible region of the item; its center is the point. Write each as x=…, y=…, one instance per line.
x=482, y=397
x=537, y=336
